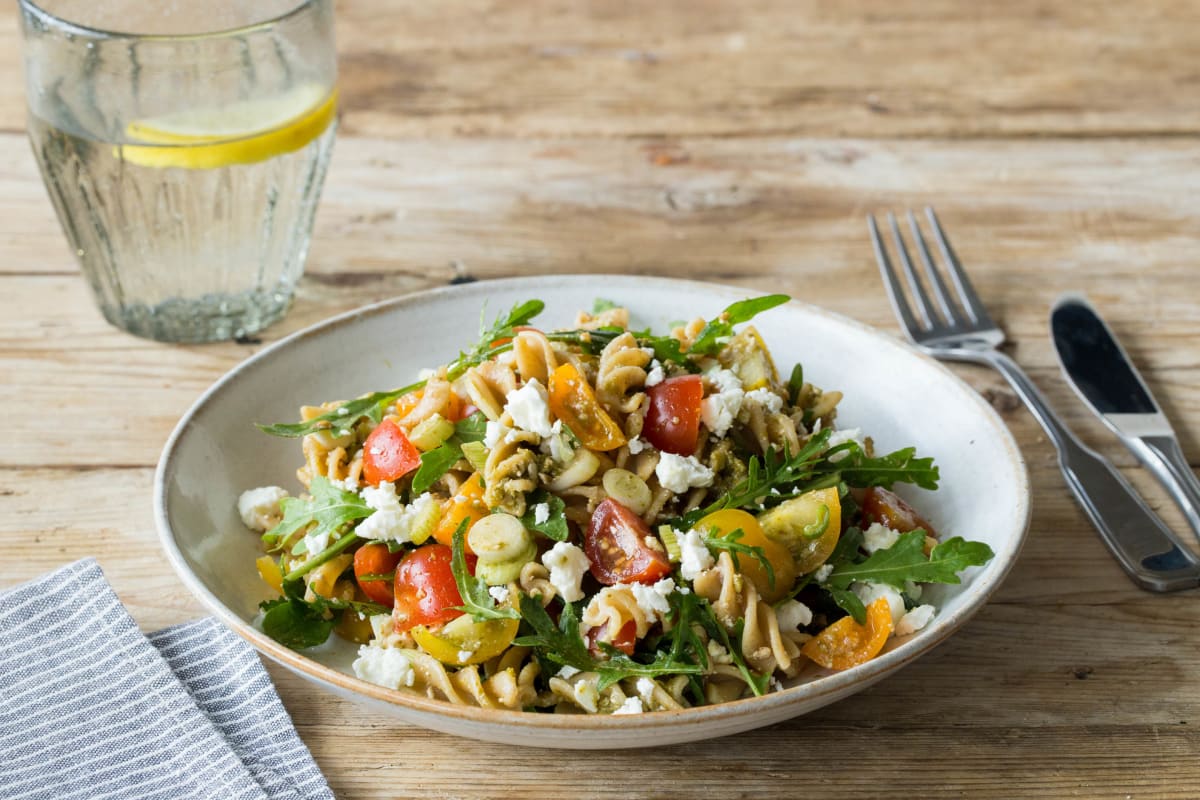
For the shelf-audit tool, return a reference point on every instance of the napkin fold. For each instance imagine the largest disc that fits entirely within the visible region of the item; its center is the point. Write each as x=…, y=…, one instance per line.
x=92, y=708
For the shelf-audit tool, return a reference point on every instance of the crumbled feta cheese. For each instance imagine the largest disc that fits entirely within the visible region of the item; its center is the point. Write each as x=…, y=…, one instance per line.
x=396, y=523
x=558, y=444
x=721, y=408
x=724, y=380
x=869, y=591
x=346, y=484
x=260, y=508
x=775, y=685
x=529, y=408
x=655, y=375
x=718, y=653
x=632, y=705
x=541, y=513
x=315, y=543
x=879, y=537
x=645, y=689
x=792, y=614
x=567, y=672
x=384, y=666
x=494, y=433
x=567, y=564
x=914, y=620
x=465, y=655
x=636, y=445
x=499, y=593
x=381, y=497
x=382, y=625
x=913, y=590
x=680, y=473
x=587, y=696
x=843, y=436
x=823, y=572
x=694, y=557
x=772, y=402
x=652, y=600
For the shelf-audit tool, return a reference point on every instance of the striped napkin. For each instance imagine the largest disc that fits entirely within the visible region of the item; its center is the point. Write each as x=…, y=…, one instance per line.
x=91, y=708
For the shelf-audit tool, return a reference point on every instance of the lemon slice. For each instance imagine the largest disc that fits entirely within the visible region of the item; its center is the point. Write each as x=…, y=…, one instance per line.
x=241, y=133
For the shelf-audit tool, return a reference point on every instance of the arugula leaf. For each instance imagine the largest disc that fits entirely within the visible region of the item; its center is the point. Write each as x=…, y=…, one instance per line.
x=328, y=510
x=472, y=428
x=708, y=619
x=486, y=347
x=712, y=335
x=716, y=541
x=795, y=383
x=324, y=556
x=906, y=561
x=849, y=602
x=474, y=591
x=902, y=466
x=600, y=304
x=434, y=464
x=562, y=643
x=294, y=623
x=847, y=549
x=555, y=526
x=344, y=417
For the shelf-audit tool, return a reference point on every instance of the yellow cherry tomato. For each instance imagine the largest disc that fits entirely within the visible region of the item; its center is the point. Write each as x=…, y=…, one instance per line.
x=464, y=641
x=846, y=644
x=268, y=570
x=731, y=519
x=797, y=525
x=573, y=401
x=467, y=504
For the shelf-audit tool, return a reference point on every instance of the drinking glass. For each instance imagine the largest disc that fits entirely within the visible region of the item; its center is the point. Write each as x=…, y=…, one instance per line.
x=183, y=145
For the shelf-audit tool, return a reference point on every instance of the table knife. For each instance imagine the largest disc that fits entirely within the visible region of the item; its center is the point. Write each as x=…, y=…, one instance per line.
x=1100, y=371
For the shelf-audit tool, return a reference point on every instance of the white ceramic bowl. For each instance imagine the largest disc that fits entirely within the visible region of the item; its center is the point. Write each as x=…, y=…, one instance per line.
x=898, y=396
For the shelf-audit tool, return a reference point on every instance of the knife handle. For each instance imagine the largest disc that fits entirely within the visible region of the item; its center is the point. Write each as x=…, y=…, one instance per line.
x=1163, y=457
x=1142, y=544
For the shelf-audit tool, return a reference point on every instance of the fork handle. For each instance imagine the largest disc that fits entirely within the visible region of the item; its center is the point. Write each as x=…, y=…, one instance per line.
x=1142, y=544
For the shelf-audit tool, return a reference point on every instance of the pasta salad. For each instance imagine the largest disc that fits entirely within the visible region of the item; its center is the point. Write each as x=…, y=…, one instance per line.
x=599, y=520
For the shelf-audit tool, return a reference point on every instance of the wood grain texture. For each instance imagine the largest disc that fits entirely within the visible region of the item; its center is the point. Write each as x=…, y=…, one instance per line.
x=735, y=142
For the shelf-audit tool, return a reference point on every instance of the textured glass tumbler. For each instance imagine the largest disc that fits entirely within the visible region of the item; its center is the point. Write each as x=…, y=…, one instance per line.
x=184, y=145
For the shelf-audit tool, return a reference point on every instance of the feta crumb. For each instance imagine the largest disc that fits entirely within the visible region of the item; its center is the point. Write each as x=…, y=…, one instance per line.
x=567, y=672
x=652, y=600
x=587, y=696
x=869, y=591
x=396, y=523
x=823, y=572
x=384, y=666
x=915, y=620
x=315, y=543
x=260, y=508
x=843, y=436
x=499, y=593
x=381, y=497
x=382, y=625
x=655, y=375
x=694, y=557
x=558, y=444
x=913, y=590
x=529, y=408
x=645, y=689
x=772, y=402
x=632, y=705
x=636, y=445
x=679, y=473
x=717, y=653
x=494, y=432
x=879, y=537
x=465, y=655
x=347, y=484
x=721, y=408
x=792, y=615
x=567, y=564
x=724, y=380
x=541, y=513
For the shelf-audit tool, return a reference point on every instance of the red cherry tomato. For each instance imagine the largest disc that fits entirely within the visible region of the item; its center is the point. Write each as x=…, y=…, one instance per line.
x=375, y=559
x=388, y=454
x=426, y=593
x=621, y=547
x=623, y=641
x=673, y=419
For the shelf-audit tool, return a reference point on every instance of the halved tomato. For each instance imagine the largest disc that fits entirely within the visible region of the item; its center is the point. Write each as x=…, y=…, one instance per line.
x=388, y=454
x=782, y=564
x=621, y=548
x=887, y=508
x=573, y=401
x=673, y=418
x=376, y=559
x=846, y=644
x=425, y=592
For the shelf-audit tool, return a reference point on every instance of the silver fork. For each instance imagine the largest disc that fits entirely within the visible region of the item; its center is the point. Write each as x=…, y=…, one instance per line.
x=955, y=326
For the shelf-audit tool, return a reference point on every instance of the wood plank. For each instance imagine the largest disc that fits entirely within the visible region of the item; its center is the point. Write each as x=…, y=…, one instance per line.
x=868, y=68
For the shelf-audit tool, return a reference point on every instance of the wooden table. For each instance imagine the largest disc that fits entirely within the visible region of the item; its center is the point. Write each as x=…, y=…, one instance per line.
x=740, y=143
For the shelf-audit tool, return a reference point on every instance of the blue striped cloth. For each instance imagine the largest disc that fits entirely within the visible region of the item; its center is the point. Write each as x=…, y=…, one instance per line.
x=91, y=708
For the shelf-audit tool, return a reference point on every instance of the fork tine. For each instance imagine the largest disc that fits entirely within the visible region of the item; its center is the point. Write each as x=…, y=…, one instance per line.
x=970, y=301
x=949, y=309
x=891, y=282
x=914, y=283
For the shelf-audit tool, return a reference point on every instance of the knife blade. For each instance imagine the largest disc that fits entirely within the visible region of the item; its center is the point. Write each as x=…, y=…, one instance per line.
x=1101, y=372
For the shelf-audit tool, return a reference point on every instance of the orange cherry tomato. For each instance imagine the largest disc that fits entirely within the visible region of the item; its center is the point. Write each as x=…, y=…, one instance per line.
x=573, y=401
x=376, y=559
x=506, y=339
x=846, y=644
x=426, y=593
x=673, y=419
x=887, y=508
x=616, y=544
x=467, y=504
x=782, y=564
x=388, y=454
x=405, y=403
